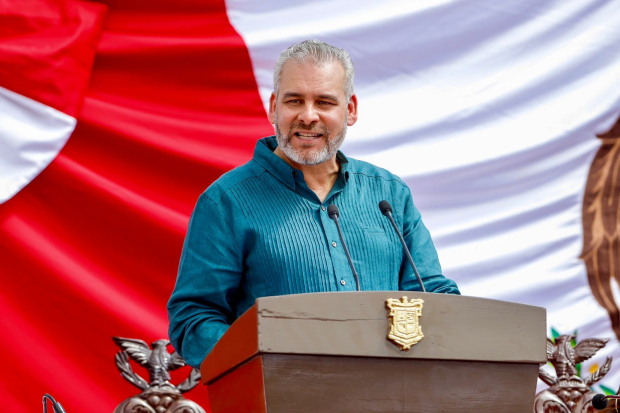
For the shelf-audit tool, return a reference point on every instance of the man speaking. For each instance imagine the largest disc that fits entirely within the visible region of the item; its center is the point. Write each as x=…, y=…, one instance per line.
x=263, y=228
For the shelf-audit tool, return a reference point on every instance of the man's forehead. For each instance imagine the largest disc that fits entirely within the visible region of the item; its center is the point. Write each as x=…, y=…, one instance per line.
x=321, y=77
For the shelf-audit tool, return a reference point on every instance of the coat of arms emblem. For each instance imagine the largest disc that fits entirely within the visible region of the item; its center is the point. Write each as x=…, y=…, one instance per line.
x=405, y=329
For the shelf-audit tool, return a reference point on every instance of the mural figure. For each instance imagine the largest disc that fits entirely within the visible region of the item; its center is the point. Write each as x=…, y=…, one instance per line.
x=601, y=223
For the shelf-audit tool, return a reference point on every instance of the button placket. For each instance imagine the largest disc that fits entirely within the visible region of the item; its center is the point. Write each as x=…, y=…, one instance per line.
x=336, y=254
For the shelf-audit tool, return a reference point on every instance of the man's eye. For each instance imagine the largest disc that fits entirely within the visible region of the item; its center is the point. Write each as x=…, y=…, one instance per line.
x=322, y=102
x=294, y=101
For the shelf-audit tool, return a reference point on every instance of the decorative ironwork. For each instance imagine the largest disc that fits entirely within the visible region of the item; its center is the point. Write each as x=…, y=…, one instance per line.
x=158, y=394
x=405, y=329
x=569, y=393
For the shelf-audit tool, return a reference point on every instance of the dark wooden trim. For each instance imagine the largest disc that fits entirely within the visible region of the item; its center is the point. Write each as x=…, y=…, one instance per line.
x=241, y=390
x=237, y=346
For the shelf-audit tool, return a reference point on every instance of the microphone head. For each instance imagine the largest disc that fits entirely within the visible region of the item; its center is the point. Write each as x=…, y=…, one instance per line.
x=58, y=408
x=598, y=403
x=385, y=207
x=332, y=211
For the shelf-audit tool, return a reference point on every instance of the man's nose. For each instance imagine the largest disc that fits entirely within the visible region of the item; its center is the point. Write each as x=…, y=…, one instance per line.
x=308, y=114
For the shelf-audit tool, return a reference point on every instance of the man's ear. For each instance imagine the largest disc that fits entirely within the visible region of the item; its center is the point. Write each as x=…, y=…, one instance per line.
x=352, y=111
x=272, y=108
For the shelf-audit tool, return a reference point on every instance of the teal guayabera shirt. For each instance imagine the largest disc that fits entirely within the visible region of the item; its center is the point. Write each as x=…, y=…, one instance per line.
x=260, y=231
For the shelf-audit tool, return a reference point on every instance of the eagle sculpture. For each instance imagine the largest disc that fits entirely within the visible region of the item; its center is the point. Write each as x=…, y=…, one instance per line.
x=158, y=394
x=569, y=393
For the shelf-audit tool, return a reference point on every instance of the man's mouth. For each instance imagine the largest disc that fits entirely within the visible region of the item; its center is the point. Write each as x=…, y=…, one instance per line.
x=308, y=135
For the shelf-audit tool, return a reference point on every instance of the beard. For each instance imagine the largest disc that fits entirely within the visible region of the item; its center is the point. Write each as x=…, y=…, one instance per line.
x=309, y=156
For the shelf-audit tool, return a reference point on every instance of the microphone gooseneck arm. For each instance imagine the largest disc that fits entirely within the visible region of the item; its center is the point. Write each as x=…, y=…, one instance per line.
x=386, y=209
x=334, y=213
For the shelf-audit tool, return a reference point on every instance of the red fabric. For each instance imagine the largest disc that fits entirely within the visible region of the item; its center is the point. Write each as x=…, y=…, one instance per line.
x=89, y=249
x=47, y=49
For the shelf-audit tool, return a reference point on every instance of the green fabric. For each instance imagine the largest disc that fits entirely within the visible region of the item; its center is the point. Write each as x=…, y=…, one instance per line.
x=260, y=231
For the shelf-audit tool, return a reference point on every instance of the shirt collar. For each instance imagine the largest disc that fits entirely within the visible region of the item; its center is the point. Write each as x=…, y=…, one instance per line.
x=265, y=157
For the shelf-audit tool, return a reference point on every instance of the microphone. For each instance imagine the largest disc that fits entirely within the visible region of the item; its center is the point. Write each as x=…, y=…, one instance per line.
x=57, y=407
x=386, y=209
x=334, y=213
x=599, y=401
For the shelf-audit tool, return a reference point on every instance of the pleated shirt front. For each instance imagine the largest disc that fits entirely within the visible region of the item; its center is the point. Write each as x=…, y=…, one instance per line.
x=260, y=231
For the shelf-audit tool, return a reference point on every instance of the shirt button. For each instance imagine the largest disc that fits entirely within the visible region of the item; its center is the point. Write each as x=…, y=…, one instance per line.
x=334, y=244
x=323, y=207
x=294, y=173
x=343, y=282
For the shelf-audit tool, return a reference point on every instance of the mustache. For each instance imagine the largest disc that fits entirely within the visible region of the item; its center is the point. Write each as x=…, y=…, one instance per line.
x=308, y=128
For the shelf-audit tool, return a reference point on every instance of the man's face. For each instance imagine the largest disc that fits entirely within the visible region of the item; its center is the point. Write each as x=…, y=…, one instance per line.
x=311, y=112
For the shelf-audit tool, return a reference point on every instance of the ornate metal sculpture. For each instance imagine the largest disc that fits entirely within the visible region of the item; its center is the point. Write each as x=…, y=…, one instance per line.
x=158, y=395
x=569, y=393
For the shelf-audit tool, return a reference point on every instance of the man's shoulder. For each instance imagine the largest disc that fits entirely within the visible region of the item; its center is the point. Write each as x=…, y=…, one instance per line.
x=233, y=178
x=366, y=170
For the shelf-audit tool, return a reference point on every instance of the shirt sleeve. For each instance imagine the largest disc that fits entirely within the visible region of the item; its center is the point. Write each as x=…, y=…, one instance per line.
x=201, y=307
x=424, y=255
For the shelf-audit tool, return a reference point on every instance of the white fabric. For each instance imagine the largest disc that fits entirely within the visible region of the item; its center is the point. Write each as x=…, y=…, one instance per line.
x=31, y=135
x=489, y=111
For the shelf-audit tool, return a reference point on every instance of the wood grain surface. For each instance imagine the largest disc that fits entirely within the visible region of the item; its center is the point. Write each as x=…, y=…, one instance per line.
x=356, y=324
x=328, y=352
x=322, y=384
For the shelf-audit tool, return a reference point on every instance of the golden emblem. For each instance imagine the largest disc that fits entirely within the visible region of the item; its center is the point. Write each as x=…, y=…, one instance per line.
x=405, y=328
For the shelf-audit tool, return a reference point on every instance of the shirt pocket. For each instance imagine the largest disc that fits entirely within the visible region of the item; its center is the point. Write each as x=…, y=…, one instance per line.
x=378, y=261
x=373, y=230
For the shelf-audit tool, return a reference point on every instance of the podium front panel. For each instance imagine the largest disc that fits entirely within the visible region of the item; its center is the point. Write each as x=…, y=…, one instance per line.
x=320, y=384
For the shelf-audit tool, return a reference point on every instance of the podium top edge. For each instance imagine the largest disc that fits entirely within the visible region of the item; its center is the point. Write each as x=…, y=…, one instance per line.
x=356, y=324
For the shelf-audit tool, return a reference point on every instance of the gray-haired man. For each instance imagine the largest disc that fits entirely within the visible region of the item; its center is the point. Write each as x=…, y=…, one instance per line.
x=262, y=229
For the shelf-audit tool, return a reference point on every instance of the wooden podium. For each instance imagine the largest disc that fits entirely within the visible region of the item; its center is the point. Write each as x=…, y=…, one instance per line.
x=329, y=353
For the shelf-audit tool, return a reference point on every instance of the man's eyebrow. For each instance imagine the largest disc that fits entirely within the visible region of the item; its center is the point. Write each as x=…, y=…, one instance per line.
x=297, y=95
x=329, y=97
x=291, y=95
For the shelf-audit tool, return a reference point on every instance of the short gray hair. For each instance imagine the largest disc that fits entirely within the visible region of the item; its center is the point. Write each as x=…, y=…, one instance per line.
x=317, y=52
